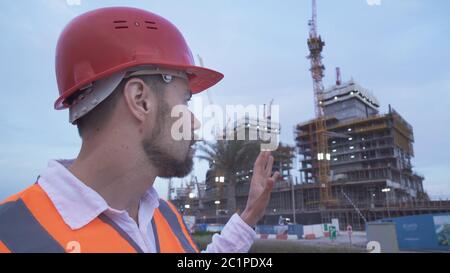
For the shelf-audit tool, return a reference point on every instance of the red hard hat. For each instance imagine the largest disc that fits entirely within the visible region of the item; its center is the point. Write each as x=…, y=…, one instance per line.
x=101, y=42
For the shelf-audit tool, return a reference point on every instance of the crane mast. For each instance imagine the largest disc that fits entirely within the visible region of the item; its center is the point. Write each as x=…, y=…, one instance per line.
x=320, y=153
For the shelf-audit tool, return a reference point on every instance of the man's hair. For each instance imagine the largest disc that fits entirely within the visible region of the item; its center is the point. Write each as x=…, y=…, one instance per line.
x=102, y=113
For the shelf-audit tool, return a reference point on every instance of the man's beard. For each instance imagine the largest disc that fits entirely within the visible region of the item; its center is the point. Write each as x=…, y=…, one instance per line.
x=167, y=165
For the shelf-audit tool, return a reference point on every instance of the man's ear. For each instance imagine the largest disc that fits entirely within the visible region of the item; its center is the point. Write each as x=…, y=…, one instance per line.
x=137, y=97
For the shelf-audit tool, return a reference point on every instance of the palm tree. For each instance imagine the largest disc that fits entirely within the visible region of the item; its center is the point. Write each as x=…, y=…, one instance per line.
x=228, y=158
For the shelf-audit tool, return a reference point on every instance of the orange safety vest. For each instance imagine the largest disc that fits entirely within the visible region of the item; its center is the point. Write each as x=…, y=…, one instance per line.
x=29, y=222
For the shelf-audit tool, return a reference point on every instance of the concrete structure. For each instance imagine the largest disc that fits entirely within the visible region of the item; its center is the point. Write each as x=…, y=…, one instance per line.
x=368, y=151
x=371, y=176
x=349, y=101
x=370, y=156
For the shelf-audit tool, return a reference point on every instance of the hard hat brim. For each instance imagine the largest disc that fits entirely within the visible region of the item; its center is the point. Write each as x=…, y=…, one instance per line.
x=200, y=79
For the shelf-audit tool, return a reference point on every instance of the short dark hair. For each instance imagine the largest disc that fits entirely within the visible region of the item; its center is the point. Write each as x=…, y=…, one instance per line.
x=103, y=111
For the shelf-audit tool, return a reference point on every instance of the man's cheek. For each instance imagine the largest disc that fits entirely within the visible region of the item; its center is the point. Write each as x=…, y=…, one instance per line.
x=182, y=123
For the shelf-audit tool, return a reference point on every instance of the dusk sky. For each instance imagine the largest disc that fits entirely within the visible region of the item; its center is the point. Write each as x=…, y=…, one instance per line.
x=398, y=49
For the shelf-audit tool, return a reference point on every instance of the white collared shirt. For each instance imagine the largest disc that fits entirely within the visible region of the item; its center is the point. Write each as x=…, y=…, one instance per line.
x=79, y=204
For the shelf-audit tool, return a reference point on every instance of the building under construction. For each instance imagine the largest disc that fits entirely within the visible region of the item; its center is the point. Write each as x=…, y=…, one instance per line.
x=371, y=173
x=369, y=158
x=368, y=151
x=355, y=162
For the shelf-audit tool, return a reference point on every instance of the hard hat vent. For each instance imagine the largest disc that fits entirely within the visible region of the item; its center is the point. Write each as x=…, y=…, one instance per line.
x=119, y=24
x=150, y=25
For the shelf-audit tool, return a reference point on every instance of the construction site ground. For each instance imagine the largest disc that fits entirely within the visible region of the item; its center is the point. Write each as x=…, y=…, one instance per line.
x=325, y=245
x=302, y=246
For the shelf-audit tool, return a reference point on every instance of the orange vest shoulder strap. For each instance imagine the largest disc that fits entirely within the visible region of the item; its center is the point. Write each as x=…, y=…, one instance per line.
x=31, y=223
x=21, y=232
x=171, y=234
x=3, y=248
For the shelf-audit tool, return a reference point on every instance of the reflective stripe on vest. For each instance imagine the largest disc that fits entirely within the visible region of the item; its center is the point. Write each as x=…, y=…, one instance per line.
x=110, y=222
x=155, y=232
x=178, y=229
x=185, y=230
x=20, y=232
x=29, y=222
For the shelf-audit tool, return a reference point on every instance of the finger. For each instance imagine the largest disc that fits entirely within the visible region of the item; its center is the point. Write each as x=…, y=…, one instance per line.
x=269, y=186
x=265, y=196
x=268, y=168
x=276, y=176
x=265, y=157
x=271, y=182
x=259, y=160
x=267, y=190
x=263, y=199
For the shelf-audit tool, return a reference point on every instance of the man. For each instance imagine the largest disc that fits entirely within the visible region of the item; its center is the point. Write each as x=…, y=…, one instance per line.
x=120, y=71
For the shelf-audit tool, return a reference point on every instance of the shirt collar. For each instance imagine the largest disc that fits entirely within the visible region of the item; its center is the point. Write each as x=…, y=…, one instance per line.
x=77, y=203
x=151, y=198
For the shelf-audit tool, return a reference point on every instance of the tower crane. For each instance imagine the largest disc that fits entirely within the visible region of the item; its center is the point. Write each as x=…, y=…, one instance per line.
x=320, y=153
